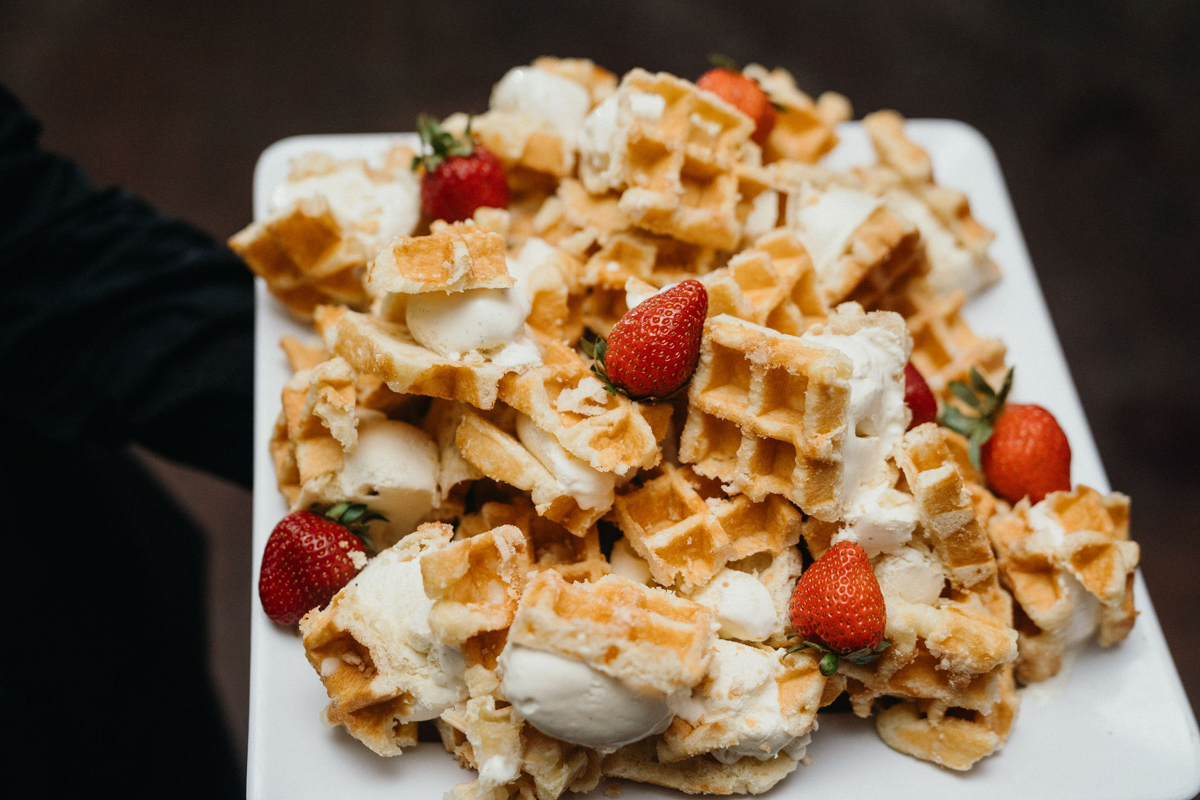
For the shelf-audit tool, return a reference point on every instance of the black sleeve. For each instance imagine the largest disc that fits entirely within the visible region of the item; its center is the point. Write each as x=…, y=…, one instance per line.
x=117, y=324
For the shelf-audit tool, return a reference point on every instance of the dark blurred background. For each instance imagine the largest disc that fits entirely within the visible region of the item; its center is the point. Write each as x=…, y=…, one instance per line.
x=1092, y=108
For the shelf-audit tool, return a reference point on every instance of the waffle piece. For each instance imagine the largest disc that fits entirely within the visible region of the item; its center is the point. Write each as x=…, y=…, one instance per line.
x=600, y=83
x=575, y=220
x=671, y=154
x=499, y=454
x=769, y=413
x=618, y=435
x=306, y=256
x=1066, y=559
x=952, y=653
x=956, y=243
x=753, y=702
x=758, y=282
x=550, y=545
x=944, y=346
x=649, y=638
x=957, y=740
x=858, y=247
x=388, y=351
x=701, y=774
x=804, y=130
x=947, y=510
x=283, y=456
x=320, y=401
x=475, y=583
x=687, y=535
x=455, y=258
x=374, y=651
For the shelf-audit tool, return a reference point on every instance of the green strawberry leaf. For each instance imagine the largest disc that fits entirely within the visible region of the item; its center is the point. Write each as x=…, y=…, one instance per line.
x=829, y=664
x=964, y=393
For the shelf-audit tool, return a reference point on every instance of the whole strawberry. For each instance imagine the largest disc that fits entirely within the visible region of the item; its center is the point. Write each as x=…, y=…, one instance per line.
x=307, y=560
x=459, y=175
x=918, y=397
x=742, y=93
x=1021, y=448
x=652, y=351
x=837, y=607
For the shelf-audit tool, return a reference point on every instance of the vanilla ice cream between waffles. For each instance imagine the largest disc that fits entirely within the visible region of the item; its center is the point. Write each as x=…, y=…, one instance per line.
x=878, y=418
x=742, y=605
x=568, y=699
x=741, y=694
x=590, y=487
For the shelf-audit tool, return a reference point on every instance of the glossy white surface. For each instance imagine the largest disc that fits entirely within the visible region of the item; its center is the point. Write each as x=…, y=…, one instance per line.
x=1119, y=727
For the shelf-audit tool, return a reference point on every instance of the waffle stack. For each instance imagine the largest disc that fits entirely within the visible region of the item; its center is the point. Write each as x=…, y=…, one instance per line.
x=655, y=545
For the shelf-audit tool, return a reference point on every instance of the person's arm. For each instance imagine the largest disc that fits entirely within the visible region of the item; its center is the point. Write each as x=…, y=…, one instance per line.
x=117, y=324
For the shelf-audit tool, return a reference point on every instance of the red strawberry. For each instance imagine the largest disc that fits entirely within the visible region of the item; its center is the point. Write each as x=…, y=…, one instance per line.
x=1027, y=454
x=460, y=176
x=651, y=352
x=745, y=95
x=837, y=606
x=918, y=397
x=307, y=560
x=1020, y=448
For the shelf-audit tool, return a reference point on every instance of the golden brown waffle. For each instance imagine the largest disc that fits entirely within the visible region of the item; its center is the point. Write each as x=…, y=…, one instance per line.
x=372, y=648
x=944, y=346
x=686, y=532
x=616, y=436
x=305, y=255
x=674, y=172
x=957, y=740
x=701, y=774
x=771, y=281
x=797, y=683
x=1078, y=536
x=649, y=638
x=768, y=413
x=550, y=545
x=600, y=83
x=804, y=130
x=575, y=219
x=881, y=252
x=952, y=653
x=905, y=174
x=475, y=583
x=947, y=510
x=499, y=454
x=388, y=351
x=320, y=401
x=455, y=258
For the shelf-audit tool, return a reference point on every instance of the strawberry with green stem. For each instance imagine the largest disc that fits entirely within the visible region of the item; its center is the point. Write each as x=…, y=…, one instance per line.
x=837, y=608
x=726, y=81
x=458, y=175
x=652, y=351
x=1021, y=449
x=307, y=559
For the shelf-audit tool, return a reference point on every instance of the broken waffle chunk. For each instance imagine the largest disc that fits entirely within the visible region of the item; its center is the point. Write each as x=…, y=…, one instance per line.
x=375, y=652
x=649, y=638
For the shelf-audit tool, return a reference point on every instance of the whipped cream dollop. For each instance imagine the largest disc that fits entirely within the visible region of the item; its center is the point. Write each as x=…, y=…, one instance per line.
x=911, y=575
x=1049, y=537
x=882, y=520
x=825, y=221
x=393, y=471
x=606, y=127
x=477, y=320
x=741, y=695
x=570, y=700
x=878, y=415
x=555, y=101
x=951, y=265
x=394, y=591
x=741, y=604
x=625, y=562
x=590, y=487
x=379, y=210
